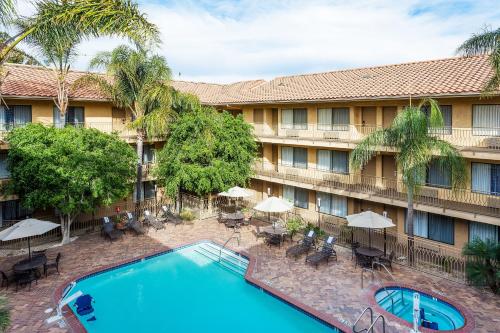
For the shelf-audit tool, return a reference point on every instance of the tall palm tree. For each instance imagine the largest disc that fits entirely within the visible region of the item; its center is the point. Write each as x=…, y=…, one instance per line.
x=16, y=55
x=138, y=82
x=411, y=135
x=487, y=42
x=91, y=17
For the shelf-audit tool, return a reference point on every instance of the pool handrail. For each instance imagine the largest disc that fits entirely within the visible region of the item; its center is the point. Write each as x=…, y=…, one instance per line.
x=370, y=310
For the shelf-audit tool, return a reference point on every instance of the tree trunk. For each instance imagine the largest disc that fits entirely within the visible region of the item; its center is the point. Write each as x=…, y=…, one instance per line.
x=138, y=184
x=409, y=226
x=65, y=227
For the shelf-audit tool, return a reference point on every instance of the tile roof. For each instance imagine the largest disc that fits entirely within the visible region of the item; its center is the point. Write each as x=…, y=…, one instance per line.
x=443, y=77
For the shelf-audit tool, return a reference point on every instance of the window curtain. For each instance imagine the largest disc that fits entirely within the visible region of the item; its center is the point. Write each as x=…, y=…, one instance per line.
x=300, y=118
x=148, y=154
x=495, y=179
x=340, y=119
x=324, y=119
x=300, y=158
x=287, y=156
x=481, y=177
x=325, y=203
x=324, y=160
x=149, y=190
x=420, y=224
x=340, y=161
x=22, y=114
x=3, y=118
x=486, y=120
x=289, y=193
x=78, y=115
x=446, y=112
x=301, y=198
x=287, y=118
x=4, y=173
x=483, y=231
x=56, y=116
x=9, y=210
x=441, y=228
x=437, y=175
x=339, y=205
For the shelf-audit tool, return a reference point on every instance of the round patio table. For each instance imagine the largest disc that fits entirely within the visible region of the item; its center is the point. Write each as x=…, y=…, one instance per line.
x=235, y=216
x=30, y=264
x=370, y=252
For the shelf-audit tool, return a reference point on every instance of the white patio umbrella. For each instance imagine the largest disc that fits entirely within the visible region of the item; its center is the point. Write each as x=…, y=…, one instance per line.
x=274, y=205
x=369, y=220
x=26, y=229
x=236, y=192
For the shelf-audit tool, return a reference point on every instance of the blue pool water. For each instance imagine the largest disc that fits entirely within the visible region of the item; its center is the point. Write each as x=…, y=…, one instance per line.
x=188, y=291
x=446, y=315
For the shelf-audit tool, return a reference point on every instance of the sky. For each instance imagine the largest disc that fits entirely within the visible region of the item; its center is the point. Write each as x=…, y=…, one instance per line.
x=225, y=41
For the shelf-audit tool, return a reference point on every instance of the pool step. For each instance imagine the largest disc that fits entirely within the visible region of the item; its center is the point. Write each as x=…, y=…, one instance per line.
x=228, y=259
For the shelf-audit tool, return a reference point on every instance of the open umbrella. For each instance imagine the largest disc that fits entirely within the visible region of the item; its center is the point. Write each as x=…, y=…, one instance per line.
x=274, y=205
x=26, y=229
x=369, y=220
x=236, y=192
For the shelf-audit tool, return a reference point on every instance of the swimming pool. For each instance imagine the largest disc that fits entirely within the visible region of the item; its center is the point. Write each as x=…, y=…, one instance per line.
x=399, y=301
x=188, y=290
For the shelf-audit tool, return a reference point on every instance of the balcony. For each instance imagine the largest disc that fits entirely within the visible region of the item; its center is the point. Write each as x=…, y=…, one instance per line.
x=147, y=171
x=346, y=136
x=461, y=203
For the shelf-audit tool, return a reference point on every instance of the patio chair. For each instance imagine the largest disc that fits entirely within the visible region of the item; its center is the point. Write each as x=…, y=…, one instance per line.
x=325, y=254
x=24, y=279
x=303, y=246
x=109, y=230
x=6, y=279
x=221, y=217
x=258, y=233
x=152, y=221
x=273, y=240
x=354, y=246
x=52, y=265
x=134, y=225
x=170, y=217
x=387, y=261
x=362, y=261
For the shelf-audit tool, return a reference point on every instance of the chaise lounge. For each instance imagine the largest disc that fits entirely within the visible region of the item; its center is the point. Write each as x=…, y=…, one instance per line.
x=325, y=254
x=109, y=230
x=152, y=221
x=303, y=247
x=134, y=225
x=170, y=217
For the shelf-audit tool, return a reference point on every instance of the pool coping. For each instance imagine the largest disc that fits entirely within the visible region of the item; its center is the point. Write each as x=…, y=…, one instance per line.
x=468, y=327
x=76, y=326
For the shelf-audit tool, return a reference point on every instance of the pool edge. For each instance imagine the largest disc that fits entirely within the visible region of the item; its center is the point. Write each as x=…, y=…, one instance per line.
x=75, y=326
x=468, y=327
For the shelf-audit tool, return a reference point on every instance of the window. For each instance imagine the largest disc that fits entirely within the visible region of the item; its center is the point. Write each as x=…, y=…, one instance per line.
x=486, y=178
x=14, y=116
x=446, y=112
x=486, y=120
x=294, y=118
x=483, y=231
x=148, y=190
x=293, y=156
x=149, y=154
x=258, y=116
x=4, y=173
x=12, y=211
x=332, y=204
x=75, y=115
x=336, y=119
x=299, y=196
x=333, y=160
x=437, y=175
x=435, y=227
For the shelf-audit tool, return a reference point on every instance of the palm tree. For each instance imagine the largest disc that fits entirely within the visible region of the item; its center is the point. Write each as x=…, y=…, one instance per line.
x=487, y=42
x=483, y=266
x=91, y=17
x=18, y=56
x=138, y=82
x=411, y=135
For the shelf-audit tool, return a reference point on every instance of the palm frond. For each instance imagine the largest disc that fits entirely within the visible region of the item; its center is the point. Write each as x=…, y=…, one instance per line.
x=483, y=43
x=451, y=159
x=7, y=12
x=367, y=148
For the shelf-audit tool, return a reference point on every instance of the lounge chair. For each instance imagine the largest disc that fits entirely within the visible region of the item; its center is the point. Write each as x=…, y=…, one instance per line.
x=84, y=305
x=170, y=217
x=303, y=247
x=273, y=240
x=133, y=225
x=52, y=265
x=109, y=230
x=152, y=221
x=325, y=254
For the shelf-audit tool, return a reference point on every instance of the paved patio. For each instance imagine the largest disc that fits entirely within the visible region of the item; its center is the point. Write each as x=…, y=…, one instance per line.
x=333, y=289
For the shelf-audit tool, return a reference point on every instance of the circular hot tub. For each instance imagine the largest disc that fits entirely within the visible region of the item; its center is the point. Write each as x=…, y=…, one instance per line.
x=435, y=314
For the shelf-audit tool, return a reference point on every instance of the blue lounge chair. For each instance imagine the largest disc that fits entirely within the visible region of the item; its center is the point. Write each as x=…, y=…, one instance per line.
x=84, y=305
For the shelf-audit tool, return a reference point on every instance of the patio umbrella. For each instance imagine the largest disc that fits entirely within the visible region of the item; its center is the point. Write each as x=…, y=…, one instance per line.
x=369, y=220
x=236, y=192
x=26, y=229
x=273, y=205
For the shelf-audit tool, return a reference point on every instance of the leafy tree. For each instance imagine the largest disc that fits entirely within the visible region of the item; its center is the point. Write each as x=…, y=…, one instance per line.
x=483, y=264
x=411, y=135
x=90, y=17
x=73, y=170
x=138, y=82
x=206, y=152
x=487, y=42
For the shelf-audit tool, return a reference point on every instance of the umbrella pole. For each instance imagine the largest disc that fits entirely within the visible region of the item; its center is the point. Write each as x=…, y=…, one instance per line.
x=385, y=242
x=29, y=247
x=370, y=238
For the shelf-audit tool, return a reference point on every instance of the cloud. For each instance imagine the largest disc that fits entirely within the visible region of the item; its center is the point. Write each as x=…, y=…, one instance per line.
x=224, y=41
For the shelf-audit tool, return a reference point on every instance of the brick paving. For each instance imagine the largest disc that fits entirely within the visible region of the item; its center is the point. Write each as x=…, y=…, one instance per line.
x=333, y=289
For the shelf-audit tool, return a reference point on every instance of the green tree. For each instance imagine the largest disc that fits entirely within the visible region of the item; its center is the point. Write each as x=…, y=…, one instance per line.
x=416, y=148
x=206, y=152
x=487, y=42
x=138, y=82
x=483, y=263
x=73, y=170
x=90, y=17
x=16, y=55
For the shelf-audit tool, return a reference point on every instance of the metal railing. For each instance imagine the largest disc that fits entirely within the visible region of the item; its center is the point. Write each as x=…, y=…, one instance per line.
x=370, y=328
x=473, y=137
x=463, y=200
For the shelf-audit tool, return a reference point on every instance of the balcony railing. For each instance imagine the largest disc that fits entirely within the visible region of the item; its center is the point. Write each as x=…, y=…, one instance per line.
x=459, y=199
x=147, y=170
x=483, y=138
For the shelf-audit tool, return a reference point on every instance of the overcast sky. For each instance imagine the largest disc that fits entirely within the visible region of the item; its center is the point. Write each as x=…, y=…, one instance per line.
x=225, y=41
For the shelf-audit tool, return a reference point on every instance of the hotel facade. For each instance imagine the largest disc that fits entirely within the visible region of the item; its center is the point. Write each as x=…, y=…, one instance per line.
x=307, y=126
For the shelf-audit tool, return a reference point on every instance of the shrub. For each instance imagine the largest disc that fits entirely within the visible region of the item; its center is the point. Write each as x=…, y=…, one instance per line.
x=187, y=215
x=294, y=225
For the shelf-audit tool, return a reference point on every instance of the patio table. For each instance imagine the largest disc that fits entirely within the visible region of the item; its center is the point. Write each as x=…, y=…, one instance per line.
x=27, y=264
x=277, y=231
x=370, y=252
